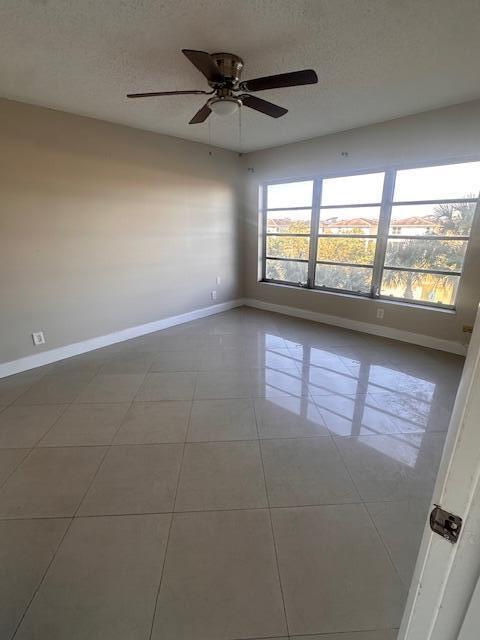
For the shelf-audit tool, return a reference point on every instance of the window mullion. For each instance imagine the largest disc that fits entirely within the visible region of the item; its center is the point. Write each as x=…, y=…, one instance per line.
x=382, y=232
x=264, y=206
x=314, y=223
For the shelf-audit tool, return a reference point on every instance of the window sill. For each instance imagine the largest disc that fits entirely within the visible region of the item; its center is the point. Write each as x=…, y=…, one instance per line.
x=352, y=296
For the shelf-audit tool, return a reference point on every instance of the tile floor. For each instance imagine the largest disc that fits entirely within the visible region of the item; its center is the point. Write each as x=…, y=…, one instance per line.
x=240, y=476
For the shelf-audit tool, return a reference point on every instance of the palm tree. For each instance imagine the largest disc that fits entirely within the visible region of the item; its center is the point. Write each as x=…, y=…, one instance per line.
x=449, y=220
x=455, y=219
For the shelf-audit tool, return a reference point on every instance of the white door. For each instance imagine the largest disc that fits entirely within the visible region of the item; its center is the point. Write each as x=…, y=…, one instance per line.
x=471, y=624
x=446, y=575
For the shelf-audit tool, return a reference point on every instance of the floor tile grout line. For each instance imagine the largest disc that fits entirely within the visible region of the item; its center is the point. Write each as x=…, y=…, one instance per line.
x=9, y=475
x=262, y=638
x=146, y=444
x=162, y=571
x=42, y=580
x=44, y=575
x=9, y=404
x=364, y=504
x=121, y=422
x=38, y=444
x=194, y=511
x=340, y=633
x=344, y=462
x=386, y=547
x=90, y=484
x=65, y=409
x=275, y=549
x=31, y=449
x=74, y=404
x=139, y=444
x=316, y=635
x=258, y=439
x=56, y=375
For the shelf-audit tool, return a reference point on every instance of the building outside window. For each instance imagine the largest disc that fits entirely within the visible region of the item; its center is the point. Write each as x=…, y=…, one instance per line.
x=399, y=234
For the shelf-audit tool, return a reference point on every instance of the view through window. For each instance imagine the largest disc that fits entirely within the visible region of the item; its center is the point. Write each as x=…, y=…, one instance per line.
x=399, y=234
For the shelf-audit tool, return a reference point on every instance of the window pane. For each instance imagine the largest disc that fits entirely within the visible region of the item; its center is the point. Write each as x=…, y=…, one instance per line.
x=362, y=189
x=286, y=271
x=348, y=278
x=289, y=221
x=432, y=219
x=358, y=220
x=290, y=194
x=442, y=255
x=354, y=250
x=425, y=287
x=438, y=183
x=287, y=247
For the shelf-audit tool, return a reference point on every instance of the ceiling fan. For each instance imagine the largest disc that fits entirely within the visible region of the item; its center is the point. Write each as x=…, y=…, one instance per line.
x=223, y=72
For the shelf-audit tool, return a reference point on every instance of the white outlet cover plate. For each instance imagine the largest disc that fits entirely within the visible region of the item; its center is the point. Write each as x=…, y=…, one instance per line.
x=38, y=338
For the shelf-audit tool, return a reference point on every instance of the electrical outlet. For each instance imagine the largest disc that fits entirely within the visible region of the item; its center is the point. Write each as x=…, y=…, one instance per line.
x=38, y=338
x=219, y=280
x=214, y=295
x=380, y=314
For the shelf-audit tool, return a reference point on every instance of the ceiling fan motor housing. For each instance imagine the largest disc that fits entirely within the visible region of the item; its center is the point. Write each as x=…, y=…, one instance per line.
x=230, y=66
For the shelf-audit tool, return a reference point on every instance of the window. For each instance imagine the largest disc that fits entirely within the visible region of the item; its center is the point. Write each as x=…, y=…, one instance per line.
x=397, y=234
x=347, y=232
x=287, y=234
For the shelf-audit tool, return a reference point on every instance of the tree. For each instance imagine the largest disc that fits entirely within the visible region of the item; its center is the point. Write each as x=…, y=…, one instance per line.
x=455, y=219
x=293, y=247
x=422, y=253
x=347, y=250
x=359, y=251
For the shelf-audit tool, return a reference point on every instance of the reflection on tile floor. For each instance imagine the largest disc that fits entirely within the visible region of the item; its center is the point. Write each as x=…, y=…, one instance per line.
x=239, y=476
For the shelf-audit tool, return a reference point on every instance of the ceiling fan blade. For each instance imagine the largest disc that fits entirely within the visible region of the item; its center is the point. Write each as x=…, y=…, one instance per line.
x=165, y=93
x=205, y=64
x=201, y=115
x=268, y=108
x=292, y=79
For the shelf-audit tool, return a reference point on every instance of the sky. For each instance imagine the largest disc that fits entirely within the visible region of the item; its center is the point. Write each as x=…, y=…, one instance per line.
x=427, y=183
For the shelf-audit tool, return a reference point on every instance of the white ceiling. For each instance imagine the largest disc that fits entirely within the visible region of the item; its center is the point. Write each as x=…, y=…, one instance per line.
x=376, y=60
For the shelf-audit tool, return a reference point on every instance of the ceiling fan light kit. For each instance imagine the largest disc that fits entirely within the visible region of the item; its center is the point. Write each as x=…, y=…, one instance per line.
x=223, y=73
x=224, y=106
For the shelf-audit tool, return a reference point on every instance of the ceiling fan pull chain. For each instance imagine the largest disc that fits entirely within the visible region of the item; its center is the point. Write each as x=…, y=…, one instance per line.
x=240, y=145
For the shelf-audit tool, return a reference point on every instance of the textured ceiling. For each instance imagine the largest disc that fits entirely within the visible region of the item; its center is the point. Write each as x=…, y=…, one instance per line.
x=376, y=60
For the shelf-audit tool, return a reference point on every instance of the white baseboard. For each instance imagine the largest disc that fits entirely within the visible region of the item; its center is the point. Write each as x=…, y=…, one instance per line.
x=75, y=349
x=365, y=327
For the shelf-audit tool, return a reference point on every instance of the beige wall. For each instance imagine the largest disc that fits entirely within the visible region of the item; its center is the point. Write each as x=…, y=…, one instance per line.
x=103, y=227
x=451, y=133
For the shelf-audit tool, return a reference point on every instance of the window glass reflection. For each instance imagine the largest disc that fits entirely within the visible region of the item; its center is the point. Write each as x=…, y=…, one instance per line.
x=353, y=396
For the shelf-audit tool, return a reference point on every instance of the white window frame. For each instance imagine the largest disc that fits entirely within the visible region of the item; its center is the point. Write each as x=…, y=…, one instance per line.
x=381, y=237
